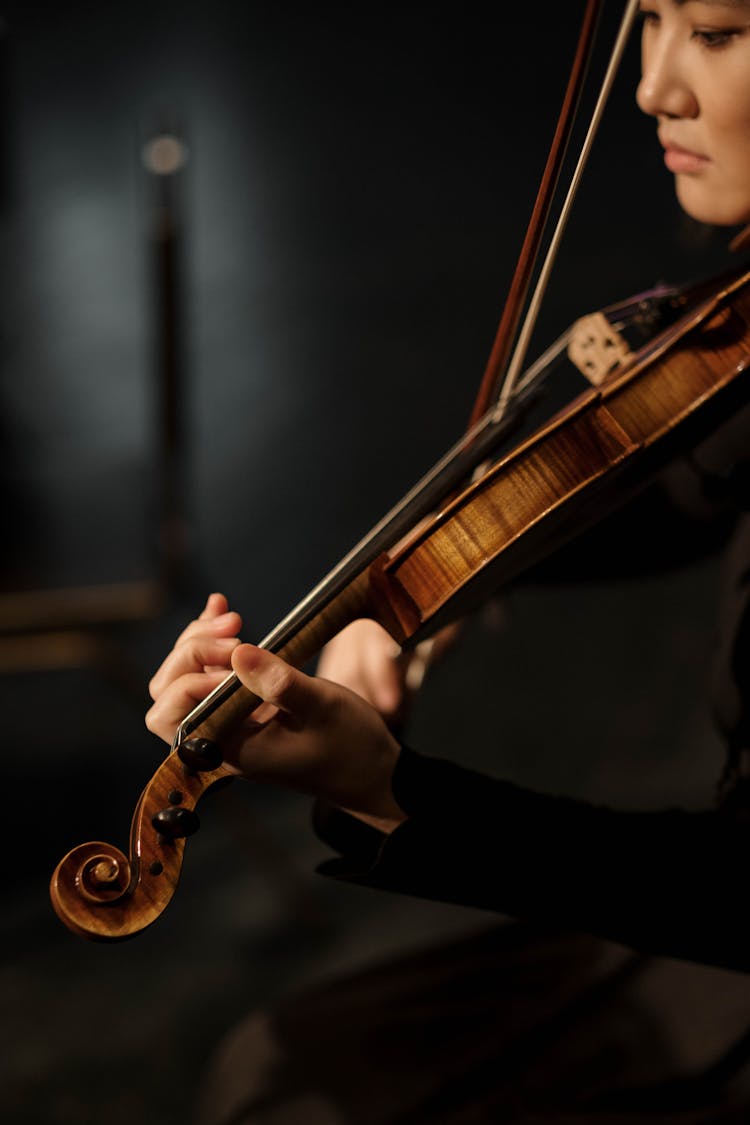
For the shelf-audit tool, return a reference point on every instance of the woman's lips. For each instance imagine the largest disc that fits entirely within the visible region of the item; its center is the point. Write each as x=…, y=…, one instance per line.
x=682, y=159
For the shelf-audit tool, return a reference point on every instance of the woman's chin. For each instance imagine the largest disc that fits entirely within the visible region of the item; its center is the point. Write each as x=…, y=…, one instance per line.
x=711, y=207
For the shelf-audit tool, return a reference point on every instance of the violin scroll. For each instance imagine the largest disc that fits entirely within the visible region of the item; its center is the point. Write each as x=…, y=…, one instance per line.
x=100, y=893
x=90, y=876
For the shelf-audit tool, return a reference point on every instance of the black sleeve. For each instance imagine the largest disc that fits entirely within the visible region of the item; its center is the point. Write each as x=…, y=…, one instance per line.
x=655, y=532
x=670, y=883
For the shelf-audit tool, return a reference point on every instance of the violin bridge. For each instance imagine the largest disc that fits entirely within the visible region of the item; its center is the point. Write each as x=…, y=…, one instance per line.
x=596, y=348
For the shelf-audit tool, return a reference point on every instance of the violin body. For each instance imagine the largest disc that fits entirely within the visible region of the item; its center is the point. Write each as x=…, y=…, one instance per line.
x=607, y=444
x=573, y=469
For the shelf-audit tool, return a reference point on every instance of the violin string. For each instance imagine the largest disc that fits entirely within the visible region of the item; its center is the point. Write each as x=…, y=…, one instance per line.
x=420, y=501
x=385, y=534
x=617, y=316
x=524, y=336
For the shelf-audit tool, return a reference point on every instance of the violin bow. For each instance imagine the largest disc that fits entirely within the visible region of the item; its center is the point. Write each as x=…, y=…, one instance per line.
x=500, y=359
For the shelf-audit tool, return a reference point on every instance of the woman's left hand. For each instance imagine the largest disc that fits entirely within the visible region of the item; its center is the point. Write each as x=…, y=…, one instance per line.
x=309, y=734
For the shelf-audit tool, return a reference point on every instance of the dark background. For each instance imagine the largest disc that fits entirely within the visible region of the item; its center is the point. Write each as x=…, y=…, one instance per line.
x=358, y=183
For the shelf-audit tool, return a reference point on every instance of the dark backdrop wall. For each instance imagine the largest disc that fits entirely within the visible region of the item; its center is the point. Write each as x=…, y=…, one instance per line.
x=357, y=186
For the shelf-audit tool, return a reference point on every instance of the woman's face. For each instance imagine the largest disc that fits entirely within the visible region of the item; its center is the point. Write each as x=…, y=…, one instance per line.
x=696, y=83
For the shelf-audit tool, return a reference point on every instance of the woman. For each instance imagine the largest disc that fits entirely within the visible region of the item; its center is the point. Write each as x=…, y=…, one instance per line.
x=429, y=827
x=696, y=84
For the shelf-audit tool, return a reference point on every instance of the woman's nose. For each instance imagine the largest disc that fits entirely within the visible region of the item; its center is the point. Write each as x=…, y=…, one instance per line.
x=664, y=89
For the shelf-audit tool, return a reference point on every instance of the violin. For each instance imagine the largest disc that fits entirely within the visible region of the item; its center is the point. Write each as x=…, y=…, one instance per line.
x=589, y=457
x=511, y=491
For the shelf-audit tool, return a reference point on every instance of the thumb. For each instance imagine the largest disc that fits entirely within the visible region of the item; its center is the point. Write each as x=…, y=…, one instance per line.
x=274, y=681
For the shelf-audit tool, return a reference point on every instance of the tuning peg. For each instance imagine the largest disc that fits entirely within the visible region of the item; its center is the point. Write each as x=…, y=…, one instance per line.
x=199, y=754
x=176, y=822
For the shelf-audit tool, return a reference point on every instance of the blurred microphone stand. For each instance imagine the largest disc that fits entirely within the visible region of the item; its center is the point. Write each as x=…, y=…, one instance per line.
x=49, y=629
x=164, y=158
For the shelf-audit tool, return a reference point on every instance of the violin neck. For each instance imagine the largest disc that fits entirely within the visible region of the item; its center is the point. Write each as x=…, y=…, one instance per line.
x=230, y=702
